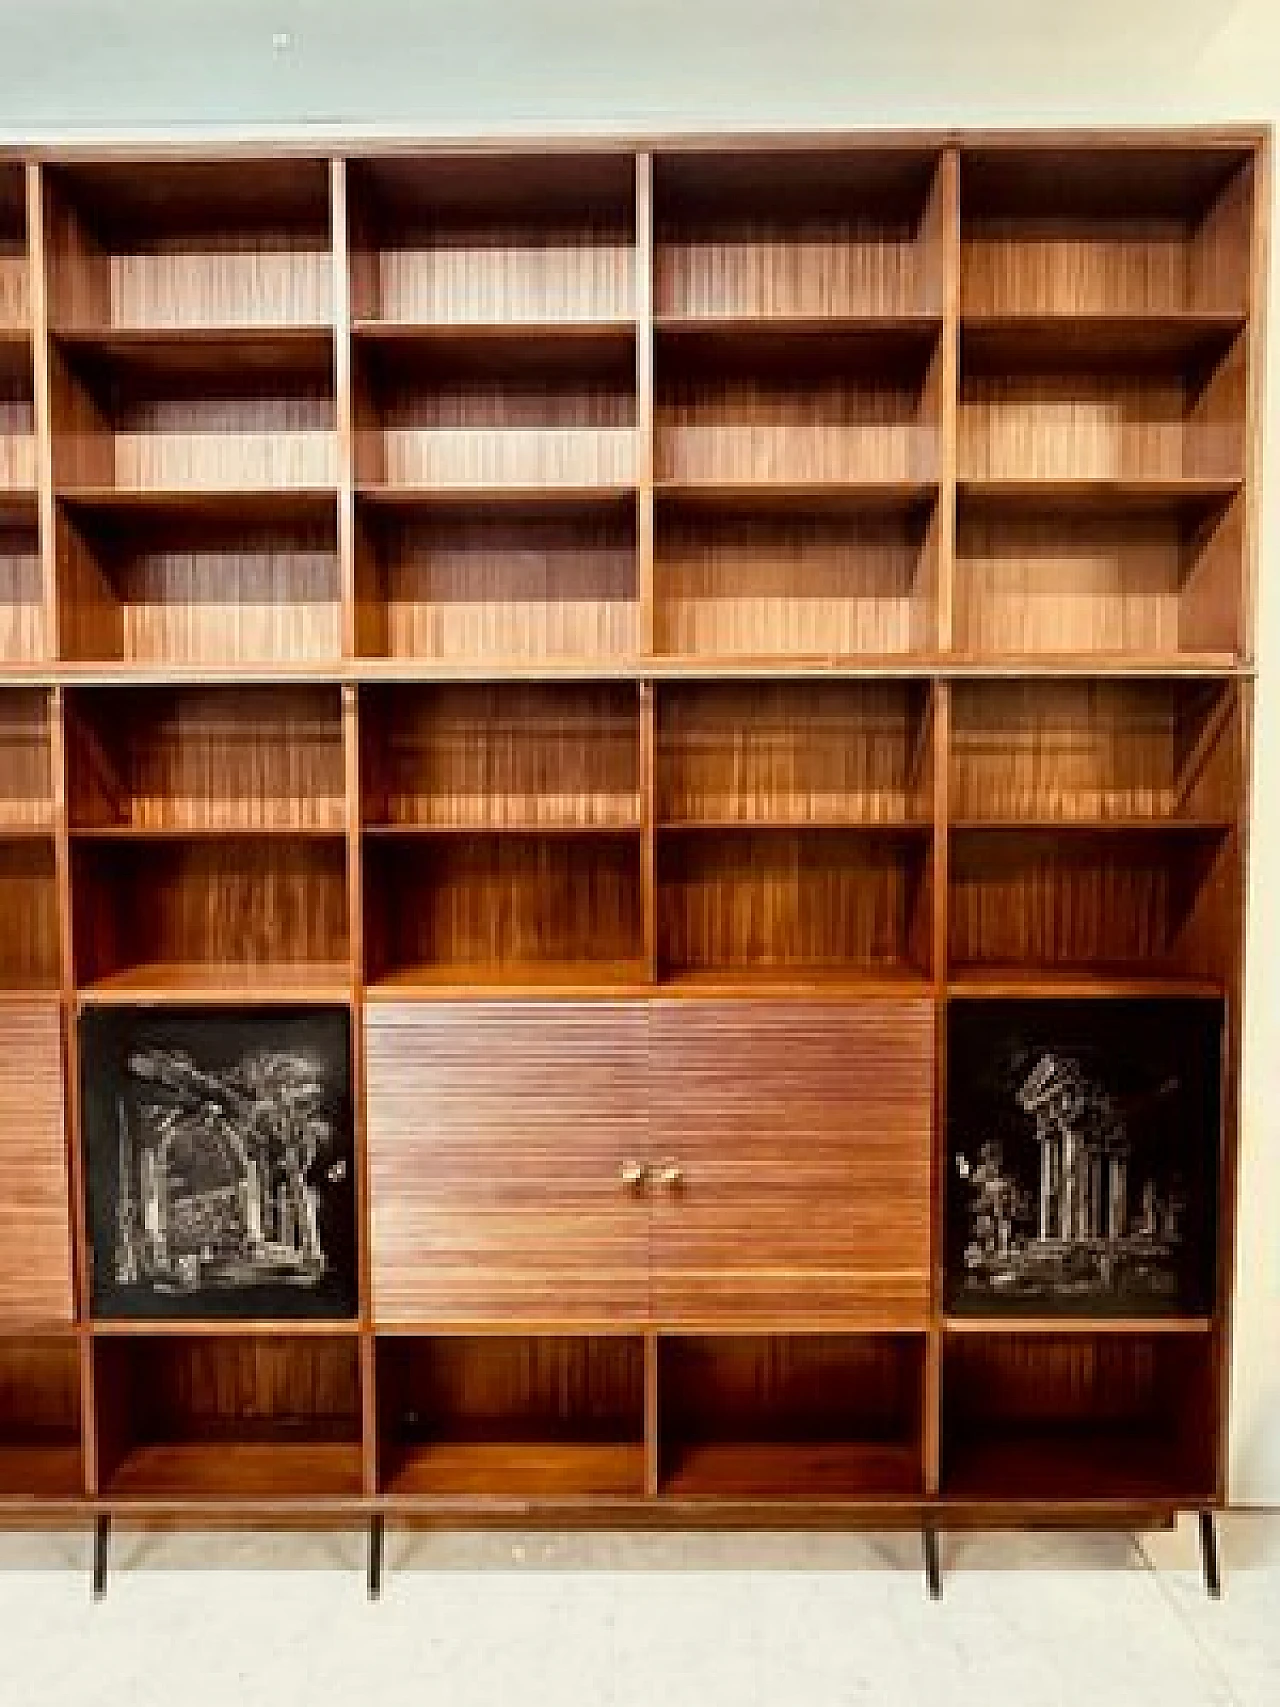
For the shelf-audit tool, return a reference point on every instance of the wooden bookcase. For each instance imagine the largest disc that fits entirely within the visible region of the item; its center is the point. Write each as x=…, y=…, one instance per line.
x=650, y=629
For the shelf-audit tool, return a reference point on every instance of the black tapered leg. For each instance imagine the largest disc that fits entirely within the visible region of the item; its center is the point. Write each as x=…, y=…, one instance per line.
x=375, y=1557
x=932, y=1564
x=101, y=1543
x=1209, y=1555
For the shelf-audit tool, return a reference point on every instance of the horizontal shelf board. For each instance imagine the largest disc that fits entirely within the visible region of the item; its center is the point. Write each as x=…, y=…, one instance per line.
x=560, y=341
x=780, y=667
x=523, y=1470
x=825, y=497
x=838, y=981
x=18, y=990
x=526, y=498
x=1092, y=826
x=27, y=832
x=252, y=1470
x=206, y=832
x=1092, y=495
x=1068, y=1464
x=792, y=1471
x=886, y=336
x=992, y=983
x=195, y=352
x=532, y=669
x=122, y=673
x=1121, y=664
x=526, y=978
x=41, y=1472
x=186, y=981
x=16, y=354
x=19, y=506
x=266, y=505
x=520, y=827
x=222, y=1327
x=789, y=825
x=1083, y=1325
x=1111, y=338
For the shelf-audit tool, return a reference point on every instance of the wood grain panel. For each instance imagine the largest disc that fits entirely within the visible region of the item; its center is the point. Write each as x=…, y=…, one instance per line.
x=802, y=1132
x=793, y=585
x=478, y=904
x=488, y=588
x=200, y=591
x=1080, y=751
x=35, y=1206
x=169, y=759
x=792, y=753
x=24, y=629
x=1152, y=583
x=26, y=780
x=17, y=433
x=793, y=899
x=513, y=756
x=29, y=940
x=497, y=1132
x=15, y=272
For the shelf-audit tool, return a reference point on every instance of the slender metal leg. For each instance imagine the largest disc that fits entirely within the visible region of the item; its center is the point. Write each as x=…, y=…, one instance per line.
x=932, y=1564
x=101, y=1542
x=375, y=1558
x=1209, y=1556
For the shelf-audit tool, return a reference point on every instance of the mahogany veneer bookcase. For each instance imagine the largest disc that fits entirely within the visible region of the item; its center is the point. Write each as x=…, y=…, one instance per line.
x=651, y=630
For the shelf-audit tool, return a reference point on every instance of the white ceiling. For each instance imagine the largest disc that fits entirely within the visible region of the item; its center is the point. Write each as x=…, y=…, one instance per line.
x=432, y=66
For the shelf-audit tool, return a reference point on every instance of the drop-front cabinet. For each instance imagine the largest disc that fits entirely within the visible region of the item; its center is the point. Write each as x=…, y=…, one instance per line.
x=717, y=1162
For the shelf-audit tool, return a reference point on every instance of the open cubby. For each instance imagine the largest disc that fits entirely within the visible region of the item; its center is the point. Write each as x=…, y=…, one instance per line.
x=15, y=270
x=1080, y=752
x=788, y=409
x=493, y=585
x=496, y=414
x=513, y=756
x=789, y=901
x=495, y=241
x=40, y=1419
x=200, y=589
x=1053, y=1416
x=745, y=575
x=26, y=764
x=1122, y=901
x=500, y=906
x=170, y=761
x=188, y=246
x=758, y=235
x=178, y=417
x=258, y=914
x=1097, y=574
x=24, y=625
x=798, y=1418
x=29, y=943
x=17, y=425
x=794, y=753
x=547, y=1417
x=221, y=1416
x=1138, y=233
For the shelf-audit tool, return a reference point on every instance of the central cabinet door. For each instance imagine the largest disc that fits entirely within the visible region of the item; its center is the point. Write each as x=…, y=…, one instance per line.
x=506, y=1141
x=791, y=1143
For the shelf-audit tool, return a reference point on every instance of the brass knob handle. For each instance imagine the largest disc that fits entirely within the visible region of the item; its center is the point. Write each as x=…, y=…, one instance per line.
x=632, y=1175
x=670, y=1176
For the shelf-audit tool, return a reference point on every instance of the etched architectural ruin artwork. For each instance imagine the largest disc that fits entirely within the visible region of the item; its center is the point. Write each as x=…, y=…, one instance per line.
x=219, y=1162
x=1083, y=1148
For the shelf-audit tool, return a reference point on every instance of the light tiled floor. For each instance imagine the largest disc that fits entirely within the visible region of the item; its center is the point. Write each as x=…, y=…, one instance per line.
x=1031, y=1621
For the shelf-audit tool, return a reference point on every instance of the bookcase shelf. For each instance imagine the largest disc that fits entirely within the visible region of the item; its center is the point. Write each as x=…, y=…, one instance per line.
x=655, y=640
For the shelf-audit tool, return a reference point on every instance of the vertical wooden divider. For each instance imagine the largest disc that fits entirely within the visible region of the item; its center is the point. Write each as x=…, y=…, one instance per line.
x=37, y=266
x=652, y=1428
x=644, y=555
x=946, y=210
x=344, y=422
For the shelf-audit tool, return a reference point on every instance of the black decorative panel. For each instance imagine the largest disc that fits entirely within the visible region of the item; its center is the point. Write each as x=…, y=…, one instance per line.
x=1083, y=1144
x=218, y=1161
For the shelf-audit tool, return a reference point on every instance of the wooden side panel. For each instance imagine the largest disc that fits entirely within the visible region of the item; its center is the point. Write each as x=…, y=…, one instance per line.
x=497, y=1135
x=801, y=1134
x=35, y=1234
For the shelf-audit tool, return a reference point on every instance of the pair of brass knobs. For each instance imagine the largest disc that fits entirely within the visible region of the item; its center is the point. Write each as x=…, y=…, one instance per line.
x=635, y=1175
